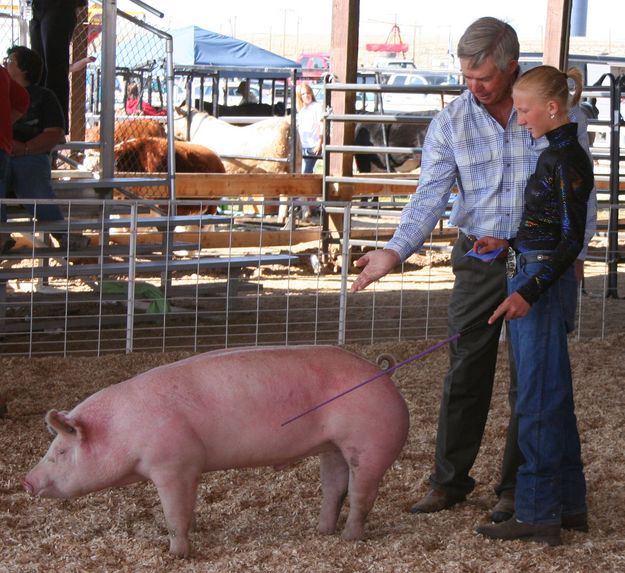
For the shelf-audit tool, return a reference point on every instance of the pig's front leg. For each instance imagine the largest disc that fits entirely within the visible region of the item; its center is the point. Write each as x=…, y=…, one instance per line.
x=177, y=491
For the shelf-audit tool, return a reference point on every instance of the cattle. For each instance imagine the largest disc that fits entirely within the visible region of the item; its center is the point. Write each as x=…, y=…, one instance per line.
x=129, y=128
x=243, y=109
x=268, y=138
x=149, y=155
x=390, y=135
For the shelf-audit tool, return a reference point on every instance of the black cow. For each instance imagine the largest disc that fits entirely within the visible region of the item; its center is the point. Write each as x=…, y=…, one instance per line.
x=243, y=109
x=391, y=135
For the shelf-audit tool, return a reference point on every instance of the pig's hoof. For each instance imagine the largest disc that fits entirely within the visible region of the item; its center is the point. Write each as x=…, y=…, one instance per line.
x=326, y=529
x=353, y=534
x=179, y=547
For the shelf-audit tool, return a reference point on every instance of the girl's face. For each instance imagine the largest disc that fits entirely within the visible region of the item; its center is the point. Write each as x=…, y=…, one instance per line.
x=534, y=112
x=306, y=96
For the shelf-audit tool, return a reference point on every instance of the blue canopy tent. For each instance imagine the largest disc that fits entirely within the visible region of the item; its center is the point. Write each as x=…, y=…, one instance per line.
x=194, y=47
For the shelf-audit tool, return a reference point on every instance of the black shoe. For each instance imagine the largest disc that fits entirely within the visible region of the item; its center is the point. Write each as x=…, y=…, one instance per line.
x=436, y=500
x=6, y=243
x=504, y=508
x=575, y=521
x=76, y=242
x=513, y=529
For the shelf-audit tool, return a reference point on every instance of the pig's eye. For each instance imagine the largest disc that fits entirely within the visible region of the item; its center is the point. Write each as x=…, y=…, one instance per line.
x=61, y=452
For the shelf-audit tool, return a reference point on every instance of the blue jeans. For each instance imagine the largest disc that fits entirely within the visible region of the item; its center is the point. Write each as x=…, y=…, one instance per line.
x=31, y=179
x=551, y=481
x=5, y=171
x=309, y=162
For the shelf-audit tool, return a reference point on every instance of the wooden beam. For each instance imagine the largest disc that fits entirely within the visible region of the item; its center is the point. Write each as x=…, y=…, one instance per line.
x=268, y=185
x=557, y=32
x=226, y=240
x=78, y=79
x=344, y=66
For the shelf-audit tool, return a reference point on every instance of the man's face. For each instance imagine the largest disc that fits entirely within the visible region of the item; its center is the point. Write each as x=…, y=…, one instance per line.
x=10, y=63
x=487, y=82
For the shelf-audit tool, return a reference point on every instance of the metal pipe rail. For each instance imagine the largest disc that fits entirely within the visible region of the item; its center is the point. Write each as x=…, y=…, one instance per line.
x=383, y=118
x=385, y=88
x=372, y=181
x=370, y=149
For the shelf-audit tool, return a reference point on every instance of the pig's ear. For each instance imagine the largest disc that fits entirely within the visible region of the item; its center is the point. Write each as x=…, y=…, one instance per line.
x=61, y=423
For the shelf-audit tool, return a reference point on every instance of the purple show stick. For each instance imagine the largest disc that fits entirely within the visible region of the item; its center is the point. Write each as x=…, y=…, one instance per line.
x=378, y=375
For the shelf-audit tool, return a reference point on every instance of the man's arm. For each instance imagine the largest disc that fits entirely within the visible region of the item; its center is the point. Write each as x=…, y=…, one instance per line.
x=429, y=201
x=41, y=143
x=420, y=215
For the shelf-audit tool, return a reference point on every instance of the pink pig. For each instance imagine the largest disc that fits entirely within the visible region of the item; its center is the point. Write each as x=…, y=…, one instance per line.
x=225, y=409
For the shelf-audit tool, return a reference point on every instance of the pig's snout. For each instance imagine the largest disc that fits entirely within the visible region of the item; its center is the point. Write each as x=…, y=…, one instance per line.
x=30, y=490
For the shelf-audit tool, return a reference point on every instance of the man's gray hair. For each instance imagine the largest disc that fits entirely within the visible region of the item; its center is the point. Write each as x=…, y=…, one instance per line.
x=489, y=37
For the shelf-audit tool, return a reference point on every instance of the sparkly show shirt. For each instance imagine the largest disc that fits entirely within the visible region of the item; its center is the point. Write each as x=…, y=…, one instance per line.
x=554, y=216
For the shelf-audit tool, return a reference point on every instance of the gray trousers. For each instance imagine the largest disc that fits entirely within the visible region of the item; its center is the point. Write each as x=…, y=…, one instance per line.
x=479, y=288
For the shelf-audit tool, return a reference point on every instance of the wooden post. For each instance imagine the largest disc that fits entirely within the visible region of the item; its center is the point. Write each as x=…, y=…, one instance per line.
x=78, y=79
x=344, y=65
x=557, y=32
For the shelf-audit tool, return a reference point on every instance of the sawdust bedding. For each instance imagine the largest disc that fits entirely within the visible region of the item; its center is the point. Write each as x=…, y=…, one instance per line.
x=265, y=520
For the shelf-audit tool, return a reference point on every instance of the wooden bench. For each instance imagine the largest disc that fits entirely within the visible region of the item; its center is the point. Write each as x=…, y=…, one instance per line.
x=97, y=274
x=145, y=267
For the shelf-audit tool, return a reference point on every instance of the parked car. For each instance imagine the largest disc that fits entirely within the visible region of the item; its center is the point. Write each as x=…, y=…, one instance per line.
x=394, y=63
x=442, y=77
x=314, y=64
x=415, y=102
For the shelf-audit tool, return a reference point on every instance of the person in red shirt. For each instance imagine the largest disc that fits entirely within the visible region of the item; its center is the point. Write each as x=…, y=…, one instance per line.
x=35, y=135
x=14, y=101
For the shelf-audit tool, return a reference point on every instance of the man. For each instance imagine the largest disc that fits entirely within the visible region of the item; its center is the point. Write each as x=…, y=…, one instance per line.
x=13, y=104
x=476, y=143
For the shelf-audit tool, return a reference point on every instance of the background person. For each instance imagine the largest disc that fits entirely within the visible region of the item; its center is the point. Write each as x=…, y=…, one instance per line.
x=13, y=103
x=35, y=134
x=309, y=125
x=550, y=488
x=476, y=143
x=247, y=96
x=134, y=105
x=51, y=29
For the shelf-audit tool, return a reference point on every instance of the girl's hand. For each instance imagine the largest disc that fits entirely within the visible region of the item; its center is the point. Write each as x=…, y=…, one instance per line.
x=489, y=244
x=515, y=306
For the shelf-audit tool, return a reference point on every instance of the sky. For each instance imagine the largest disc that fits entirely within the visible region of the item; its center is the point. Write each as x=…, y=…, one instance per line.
x=236, y=17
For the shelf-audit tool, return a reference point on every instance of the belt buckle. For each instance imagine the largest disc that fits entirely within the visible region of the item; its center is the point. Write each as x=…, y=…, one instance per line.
x=511, y=263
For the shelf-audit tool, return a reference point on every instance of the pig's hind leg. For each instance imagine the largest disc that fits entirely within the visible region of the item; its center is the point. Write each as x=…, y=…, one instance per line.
x=177, y=491
x=365, y=474
x=334, y=481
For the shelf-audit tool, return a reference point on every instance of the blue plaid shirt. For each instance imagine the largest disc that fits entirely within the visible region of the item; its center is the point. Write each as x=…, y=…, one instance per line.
x=490, y=164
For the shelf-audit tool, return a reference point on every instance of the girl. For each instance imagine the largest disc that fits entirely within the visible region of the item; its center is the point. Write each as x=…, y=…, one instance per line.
x=551, y=489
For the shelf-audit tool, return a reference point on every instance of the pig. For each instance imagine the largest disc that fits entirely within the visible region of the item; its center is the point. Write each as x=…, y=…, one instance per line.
x=231, y=409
